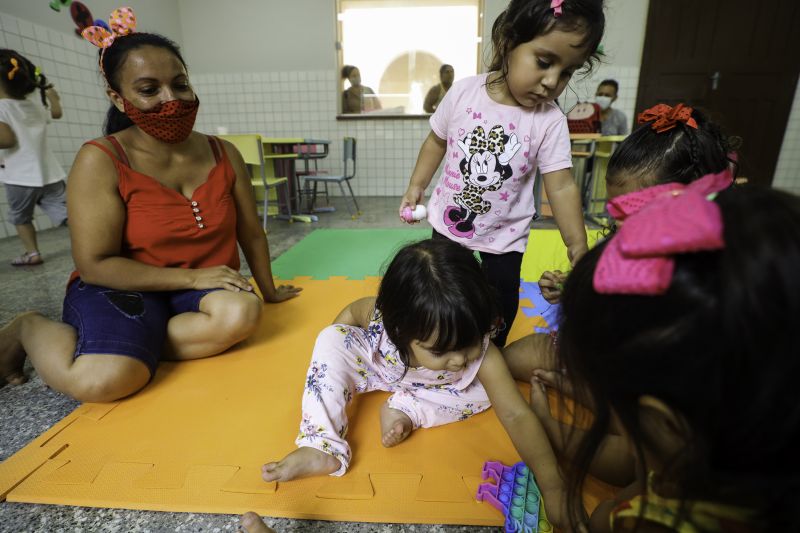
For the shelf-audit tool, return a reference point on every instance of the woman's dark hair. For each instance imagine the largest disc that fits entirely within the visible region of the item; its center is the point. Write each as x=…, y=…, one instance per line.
x=524, y=20
x=114, y=58
x=610, y=83
x=720, y=348
x=682, y=154
x=346, y=70
x=25, y=80
x=436, y=288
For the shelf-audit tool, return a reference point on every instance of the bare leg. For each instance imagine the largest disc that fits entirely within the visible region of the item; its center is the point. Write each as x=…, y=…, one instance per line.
x=396, y=426
x=51, y=347
x=303, y=462
x=224, y=318
x=535, y=351
x=252, y=523
x=27, y=234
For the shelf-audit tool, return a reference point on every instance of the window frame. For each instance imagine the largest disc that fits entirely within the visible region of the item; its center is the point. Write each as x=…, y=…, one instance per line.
x=393, y=116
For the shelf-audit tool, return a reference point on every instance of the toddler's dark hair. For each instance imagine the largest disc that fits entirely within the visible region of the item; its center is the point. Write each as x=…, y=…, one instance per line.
x=435, y=290
x=25, y=79
x=524, y=20
x=114, y=58
x=720, y=348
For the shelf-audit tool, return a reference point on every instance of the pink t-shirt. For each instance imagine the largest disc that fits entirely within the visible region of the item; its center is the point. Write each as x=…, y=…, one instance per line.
x=484, y=197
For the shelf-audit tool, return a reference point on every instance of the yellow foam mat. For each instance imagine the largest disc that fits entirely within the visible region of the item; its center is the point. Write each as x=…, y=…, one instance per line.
x=195, y=438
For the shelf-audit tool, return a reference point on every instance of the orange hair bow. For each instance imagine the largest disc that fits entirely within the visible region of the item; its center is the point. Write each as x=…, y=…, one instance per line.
x=13, y=71
x=664, y=117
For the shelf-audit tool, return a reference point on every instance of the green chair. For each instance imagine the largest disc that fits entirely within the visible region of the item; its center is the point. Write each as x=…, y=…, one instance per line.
x=252, y=150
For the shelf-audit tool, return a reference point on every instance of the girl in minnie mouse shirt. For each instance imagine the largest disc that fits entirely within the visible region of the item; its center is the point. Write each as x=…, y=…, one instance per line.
x=493, y=130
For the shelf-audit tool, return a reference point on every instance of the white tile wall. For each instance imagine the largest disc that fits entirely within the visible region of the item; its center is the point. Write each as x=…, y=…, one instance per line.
x=787, y=172
x=70, y=64
x=303, y=104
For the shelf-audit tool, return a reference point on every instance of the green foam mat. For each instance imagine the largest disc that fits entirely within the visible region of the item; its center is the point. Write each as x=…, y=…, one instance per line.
x=360, y=253
x=352, y=253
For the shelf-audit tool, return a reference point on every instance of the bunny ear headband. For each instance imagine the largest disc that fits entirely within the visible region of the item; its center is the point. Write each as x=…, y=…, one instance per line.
x=122, y=22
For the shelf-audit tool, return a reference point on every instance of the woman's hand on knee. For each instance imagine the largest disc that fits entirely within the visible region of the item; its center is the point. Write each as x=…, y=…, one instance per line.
x=220, y=277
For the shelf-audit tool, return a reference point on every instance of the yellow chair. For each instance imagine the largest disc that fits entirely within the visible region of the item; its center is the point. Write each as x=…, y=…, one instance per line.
x=251, y=148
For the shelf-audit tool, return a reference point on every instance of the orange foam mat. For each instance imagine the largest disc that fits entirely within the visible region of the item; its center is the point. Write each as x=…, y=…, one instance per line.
x=195, y=438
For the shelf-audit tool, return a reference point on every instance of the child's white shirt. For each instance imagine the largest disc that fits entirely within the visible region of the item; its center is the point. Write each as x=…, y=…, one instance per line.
x=30, y=162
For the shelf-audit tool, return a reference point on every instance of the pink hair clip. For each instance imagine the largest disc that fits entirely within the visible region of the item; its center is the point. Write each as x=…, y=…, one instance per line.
x=660, y=222
x=555, y=5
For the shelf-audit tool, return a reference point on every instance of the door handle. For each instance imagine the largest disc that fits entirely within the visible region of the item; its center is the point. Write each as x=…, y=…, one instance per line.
x=715, y=81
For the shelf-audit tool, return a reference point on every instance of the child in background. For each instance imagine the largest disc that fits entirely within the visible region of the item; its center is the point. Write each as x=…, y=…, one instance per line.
x=495, y=129
x=425, y=339
x=28, y=168
x=674, y=145
x=690, y=348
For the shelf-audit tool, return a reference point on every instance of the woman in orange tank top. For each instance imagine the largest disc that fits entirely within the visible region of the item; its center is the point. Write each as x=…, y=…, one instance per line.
x=156, y=211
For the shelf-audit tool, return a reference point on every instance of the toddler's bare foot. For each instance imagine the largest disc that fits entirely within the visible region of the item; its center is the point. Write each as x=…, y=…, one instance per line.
x=252, y=523
x=303, y=462
x=396, y=426
x=12, y=356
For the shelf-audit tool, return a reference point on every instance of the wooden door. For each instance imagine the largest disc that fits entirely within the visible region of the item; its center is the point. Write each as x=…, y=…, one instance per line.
x=738, y=60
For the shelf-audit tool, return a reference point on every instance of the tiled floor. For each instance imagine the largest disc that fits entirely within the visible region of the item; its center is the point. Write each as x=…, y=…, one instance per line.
x=28, y=410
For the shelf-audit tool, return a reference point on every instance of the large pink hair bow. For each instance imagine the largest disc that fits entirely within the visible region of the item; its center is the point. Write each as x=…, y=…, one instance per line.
x=660, y=222
x=122, y=22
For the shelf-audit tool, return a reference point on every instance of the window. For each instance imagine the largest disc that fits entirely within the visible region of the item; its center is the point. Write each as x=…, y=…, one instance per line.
x=398, y=48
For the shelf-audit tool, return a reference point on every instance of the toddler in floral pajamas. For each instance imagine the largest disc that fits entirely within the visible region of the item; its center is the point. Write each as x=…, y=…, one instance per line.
x=426, y=339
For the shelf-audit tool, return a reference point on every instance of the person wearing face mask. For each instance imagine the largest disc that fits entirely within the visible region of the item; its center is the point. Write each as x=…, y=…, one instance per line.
x=156, y=212
x=613, y=121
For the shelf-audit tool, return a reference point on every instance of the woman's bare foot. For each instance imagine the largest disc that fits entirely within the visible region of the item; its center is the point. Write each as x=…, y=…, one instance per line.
x=252, y=523
x=396, y=426
x=303, y=462
x=12, y=355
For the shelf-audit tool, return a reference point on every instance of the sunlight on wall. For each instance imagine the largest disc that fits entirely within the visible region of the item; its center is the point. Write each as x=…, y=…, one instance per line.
x=399, y=49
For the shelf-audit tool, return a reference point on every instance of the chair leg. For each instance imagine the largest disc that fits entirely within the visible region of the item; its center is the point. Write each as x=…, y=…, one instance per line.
x=327, y=197
x=353, y=196
x=288, y=200
x=266, y=209
x=314, y=196
x=344, y=197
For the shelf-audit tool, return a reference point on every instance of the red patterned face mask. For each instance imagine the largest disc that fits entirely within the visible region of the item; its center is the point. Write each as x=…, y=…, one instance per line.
x=170, y=122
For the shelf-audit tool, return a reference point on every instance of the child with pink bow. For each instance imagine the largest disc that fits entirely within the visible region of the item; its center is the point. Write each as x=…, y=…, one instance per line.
x=673, y=145
x=494, y=130
x=678, y=334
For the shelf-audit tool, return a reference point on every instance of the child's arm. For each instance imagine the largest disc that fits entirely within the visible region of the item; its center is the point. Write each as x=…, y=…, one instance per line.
x=526, y=432
x=430, y=155
x=8, y=139
x=357, y=313
x=55, y=103
x=613, y=462
x=565, y=200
